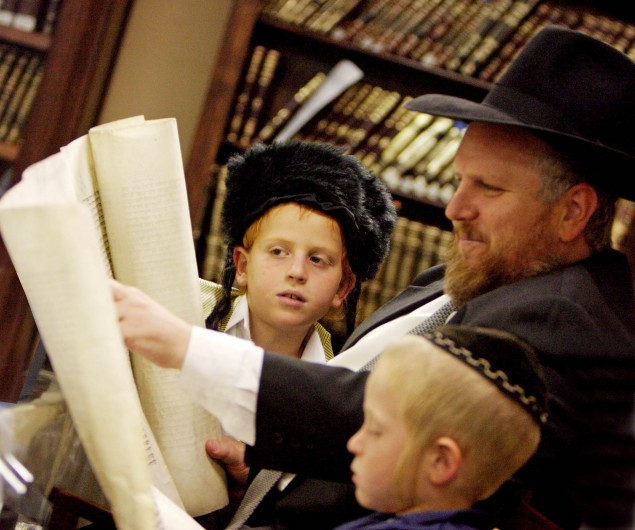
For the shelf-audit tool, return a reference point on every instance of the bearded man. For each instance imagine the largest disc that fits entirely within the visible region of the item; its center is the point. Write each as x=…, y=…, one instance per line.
x=544, y=158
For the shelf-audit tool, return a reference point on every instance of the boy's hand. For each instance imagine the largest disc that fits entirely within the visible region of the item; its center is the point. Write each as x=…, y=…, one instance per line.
x=149, y=329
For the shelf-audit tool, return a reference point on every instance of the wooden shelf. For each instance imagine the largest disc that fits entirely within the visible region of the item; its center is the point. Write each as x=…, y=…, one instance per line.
x=34, y=41
x=303, y=54
x=78, y=63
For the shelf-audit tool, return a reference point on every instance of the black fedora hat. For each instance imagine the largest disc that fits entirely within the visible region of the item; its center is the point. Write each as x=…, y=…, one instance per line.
x=566, y=85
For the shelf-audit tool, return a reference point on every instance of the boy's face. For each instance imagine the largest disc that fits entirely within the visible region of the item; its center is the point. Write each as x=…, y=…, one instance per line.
x=293, y=271
x=377, y=446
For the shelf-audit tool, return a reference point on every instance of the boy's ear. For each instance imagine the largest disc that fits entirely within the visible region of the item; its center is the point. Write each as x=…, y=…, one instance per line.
x=346, y=286
x=240, y=262
x=444, y=461
x=581, y=201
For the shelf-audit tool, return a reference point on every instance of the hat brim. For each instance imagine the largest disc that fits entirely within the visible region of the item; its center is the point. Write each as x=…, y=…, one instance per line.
x=469, y=111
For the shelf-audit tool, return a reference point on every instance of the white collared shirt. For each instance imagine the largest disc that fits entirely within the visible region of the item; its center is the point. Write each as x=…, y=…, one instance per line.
x=222, y=373
x=238, y=326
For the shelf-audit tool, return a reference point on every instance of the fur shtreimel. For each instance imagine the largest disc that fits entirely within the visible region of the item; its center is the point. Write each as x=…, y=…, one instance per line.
x=319, y=176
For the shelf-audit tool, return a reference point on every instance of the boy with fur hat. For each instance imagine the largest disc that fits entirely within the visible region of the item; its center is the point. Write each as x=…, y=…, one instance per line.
x=543, y=159
x=448, y=418
x=304, y=225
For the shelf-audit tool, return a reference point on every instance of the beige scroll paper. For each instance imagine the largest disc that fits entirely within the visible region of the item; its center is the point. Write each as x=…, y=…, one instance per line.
x=113, y=203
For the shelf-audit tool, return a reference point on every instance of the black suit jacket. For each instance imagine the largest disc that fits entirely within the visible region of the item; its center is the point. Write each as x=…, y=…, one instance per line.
x=579, y=318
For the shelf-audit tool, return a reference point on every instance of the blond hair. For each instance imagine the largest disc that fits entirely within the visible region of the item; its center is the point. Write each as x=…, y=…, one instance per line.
x=439, y=395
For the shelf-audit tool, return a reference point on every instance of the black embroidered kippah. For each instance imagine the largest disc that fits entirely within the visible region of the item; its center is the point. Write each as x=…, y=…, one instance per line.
x=502, y=358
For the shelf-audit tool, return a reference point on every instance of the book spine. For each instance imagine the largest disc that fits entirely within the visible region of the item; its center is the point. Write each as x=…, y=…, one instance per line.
x=284, y=114
x=368, y=33
x=543, y=15
x=330, y=116
x=27, y=14
x=501, y=32
x=378, y=115
x=453, y=28
x=377, y=142
x=15, y=134
x=236, y=123
x=335, y=121
x=265, y=78
x=427, y=183
x=356, y=129
x=325, y=21
x=32, y=64
x=8, y=9
x=626, y=39
x=438, y=28
x=403, y=139
x=490, y=14
x=400, y=25
x=623, y=231
x=48, y=17
x=415, y=152
x=337, y=129
x=393, y=266
x=300, y=11
x=215, y=252
x=351, y=29
x=11, y=82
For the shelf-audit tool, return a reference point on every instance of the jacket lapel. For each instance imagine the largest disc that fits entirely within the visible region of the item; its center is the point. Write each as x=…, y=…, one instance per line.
x=425, y=288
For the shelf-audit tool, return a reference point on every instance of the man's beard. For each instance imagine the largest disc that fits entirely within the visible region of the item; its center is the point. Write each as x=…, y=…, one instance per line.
x=521, y=261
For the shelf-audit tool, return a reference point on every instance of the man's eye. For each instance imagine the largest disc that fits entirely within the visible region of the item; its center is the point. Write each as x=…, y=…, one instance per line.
x=490, y=187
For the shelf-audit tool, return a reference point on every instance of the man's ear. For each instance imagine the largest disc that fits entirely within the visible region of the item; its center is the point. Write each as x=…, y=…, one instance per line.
x=241, y=256
x=444, y=461
x=579, y=202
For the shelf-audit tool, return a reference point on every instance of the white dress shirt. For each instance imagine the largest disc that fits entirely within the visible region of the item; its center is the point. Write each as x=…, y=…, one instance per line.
x=222, y=373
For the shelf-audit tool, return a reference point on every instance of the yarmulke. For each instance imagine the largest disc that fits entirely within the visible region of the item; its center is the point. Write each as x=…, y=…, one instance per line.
x=500, y=357
x=319, y=176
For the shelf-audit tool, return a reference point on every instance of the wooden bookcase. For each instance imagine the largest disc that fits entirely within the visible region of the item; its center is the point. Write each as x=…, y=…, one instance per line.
x=79, y=57
x=304, y=53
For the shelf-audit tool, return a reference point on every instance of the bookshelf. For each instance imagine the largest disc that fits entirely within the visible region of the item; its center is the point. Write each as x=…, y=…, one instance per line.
x=308, y=48
x=77, y=55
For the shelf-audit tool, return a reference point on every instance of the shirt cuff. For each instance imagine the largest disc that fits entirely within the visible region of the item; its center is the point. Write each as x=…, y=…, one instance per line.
x=222, y=374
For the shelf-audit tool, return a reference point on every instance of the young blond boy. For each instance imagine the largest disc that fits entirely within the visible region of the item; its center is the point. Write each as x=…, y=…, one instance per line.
x=448, y=418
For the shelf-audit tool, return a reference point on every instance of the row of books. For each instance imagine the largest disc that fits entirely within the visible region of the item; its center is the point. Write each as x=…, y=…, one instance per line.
x=414, y=247
x=476, y=39
x=411, y=151
x=252, y=94
x=30, y=15
x=20, y=75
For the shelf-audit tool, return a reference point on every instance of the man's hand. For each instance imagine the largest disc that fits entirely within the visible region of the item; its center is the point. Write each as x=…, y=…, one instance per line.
x=149, y=329
x=231, y=453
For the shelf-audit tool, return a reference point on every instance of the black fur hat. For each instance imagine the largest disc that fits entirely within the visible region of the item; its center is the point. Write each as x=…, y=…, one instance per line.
x=316, y=175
